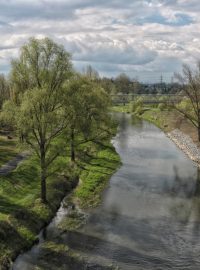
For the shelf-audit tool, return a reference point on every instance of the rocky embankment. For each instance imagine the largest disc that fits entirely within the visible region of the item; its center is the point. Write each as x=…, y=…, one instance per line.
x=186, y=144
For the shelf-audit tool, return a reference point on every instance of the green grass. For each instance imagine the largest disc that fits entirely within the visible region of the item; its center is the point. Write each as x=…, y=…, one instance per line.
x=22, y=214
x=8, y=149
x=95, y=176
x=164, y=119
x=153, y=115
x=121, y=108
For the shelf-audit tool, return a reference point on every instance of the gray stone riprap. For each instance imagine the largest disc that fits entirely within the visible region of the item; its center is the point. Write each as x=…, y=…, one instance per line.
x=186, y=144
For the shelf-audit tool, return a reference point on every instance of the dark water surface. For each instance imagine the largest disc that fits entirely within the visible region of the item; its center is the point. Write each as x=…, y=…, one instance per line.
x=150, y=213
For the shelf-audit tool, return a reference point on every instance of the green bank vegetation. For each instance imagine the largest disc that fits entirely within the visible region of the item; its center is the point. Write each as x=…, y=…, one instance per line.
x=62, y=118
x=96, y=173
x=56, y=256
x=22, y=214
x=161, y=114
x=122, y=108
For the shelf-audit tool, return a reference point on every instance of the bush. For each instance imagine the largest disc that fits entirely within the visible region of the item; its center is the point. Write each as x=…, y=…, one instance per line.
x=185, y=104
x=137, y=105
x=139, y=110
x=162, y=106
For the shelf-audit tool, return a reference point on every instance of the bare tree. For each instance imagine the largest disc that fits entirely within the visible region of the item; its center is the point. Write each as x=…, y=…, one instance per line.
x=190, y=105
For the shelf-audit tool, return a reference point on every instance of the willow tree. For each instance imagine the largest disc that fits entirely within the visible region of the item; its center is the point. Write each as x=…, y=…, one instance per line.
x=190, y=105
x=87, y=103
x=38, y=76
x=42, y=63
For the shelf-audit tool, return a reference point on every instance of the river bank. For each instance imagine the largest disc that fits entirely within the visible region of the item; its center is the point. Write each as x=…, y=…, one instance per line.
x=148, y=217
x=22, y=215
x=178, y=129
x=186, y=144
x=175, y=126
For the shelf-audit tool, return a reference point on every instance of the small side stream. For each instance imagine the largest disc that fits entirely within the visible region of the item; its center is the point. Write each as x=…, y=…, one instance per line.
x=149, y=217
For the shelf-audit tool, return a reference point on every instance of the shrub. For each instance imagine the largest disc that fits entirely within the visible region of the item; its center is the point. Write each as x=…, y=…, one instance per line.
x=137, y=105
x=139, y=110
x=162, y=106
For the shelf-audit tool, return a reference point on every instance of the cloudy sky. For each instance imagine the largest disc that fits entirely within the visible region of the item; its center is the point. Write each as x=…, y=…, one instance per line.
x=143, y=38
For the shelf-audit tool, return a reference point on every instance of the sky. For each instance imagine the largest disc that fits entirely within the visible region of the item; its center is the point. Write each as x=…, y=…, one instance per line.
x=142, y=38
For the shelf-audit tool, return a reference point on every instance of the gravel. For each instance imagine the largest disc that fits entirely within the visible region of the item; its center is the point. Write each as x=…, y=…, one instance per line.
x=185, y=143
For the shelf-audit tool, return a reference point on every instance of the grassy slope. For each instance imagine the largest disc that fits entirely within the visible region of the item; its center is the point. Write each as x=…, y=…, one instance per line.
x=96, y=175
x=170, y=120
x=21, y=213
x=162, y=119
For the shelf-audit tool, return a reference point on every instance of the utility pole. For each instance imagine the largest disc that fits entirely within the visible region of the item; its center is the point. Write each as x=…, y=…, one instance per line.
x=161, y=79
x=161, y=83
x=172, y=85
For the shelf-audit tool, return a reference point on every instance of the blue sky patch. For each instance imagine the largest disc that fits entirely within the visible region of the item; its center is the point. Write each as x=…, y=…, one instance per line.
x=180, y=19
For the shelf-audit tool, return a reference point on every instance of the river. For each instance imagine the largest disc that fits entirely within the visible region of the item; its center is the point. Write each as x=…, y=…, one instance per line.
x=150, y=213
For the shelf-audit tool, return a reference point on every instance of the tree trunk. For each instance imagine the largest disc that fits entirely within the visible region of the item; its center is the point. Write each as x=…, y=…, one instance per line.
x=43, y=175
x=72, y=146
x=43, y=188
x=199, y=133
x=198, y=128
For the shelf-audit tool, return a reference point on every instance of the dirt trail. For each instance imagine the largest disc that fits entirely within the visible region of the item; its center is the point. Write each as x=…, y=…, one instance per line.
x=12, y=164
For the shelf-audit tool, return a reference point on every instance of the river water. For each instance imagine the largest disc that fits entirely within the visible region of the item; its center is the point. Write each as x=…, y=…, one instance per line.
x=150, y=213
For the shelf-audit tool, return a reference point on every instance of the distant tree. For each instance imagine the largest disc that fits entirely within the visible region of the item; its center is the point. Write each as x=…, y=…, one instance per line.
x=91, y=73
x=135, y=87
x=190, y=106
x=122, y=83
x=4, y=90
x=38, y=77
x=108, y=85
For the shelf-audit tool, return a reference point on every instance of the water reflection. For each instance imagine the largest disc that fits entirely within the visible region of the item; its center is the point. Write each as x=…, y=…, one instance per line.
x=181, y=186
x=136, y=122
x=186, y=193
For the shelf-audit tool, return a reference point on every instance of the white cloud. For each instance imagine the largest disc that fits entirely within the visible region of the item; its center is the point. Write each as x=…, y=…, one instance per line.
x=137, y=37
